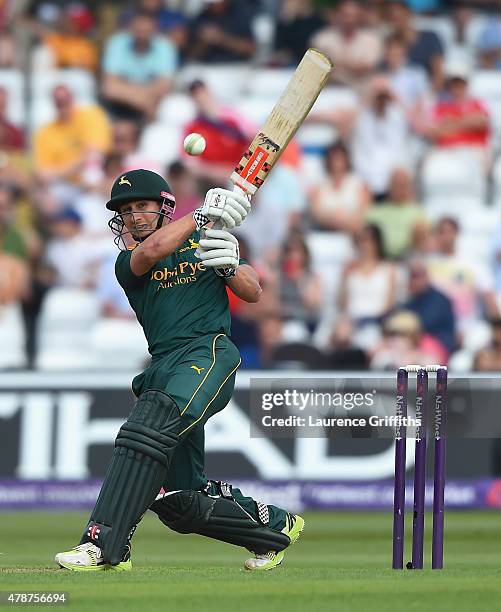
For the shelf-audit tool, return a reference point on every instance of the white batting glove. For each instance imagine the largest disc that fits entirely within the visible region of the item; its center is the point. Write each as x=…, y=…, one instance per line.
x=223, y=205
x=219, y=250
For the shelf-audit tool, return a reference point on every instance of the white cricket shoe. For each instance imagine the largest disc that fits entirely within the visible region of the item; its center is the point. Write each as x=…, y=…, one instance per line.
x=84, y=557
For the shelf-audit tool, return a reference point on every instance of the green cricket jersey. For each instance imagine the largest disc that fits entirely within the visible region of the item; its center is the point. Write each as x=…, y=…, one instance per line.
x=176, y=301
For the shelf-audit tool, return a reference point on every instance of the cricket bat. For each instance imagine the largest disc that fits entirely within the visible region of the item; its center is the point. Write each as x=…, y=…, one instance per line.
x=284, y=121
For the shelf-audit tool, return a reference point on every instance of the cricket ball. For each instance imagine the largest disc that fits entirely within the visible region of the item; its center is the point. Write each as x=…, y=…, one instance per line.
x=194, y=144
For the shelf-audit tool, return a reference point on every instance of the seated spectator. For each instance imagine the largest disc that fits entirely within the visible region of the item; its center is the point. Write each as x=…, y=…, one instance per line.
x=222, y=33
x=73, y=260
x=63, y=147
x=69, y=42
x=404, y=342
x=126, y=145
x=225, y=131
x=432, y=306
x=424, y=47
x=380, y=139
x=297, y=22
x=138, y=67
x=401, y=219
x=457, y=119
x=355, y=50
x=368, y=283
x=8, y=55
x=13, y=241
x=11, y=136
x=488, y=359
x=409, y=82
x=169, y=21
x=184, y=185
x=300, y=288
x=466, y=282
x=489, y=45
x=341, y=201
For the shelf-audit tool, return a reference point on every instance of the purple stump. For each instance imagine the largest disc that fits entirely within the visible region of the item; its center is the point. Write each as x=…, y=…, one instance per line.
x=400, y=462
x=419, y=471
x=437, y=555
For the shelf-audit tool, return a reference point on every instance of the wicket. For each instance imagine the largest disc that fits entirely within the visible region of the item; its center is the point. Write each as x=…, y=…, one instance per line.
x=420, y=467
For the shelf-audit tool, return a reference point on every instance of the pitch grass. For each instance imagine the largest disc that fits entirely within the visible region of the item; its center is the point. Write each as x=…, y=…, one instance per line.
x=341, y=563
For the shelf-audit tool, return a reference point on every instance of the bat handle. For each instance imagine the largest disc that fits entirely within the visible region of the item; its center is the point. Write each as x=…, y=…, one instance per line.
x=218, y=224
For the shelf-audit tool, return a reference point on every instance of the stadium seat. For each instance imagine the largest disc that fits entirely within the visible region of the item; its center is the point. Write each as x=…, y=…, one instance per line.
x=63, y=330
x=12, y=346
x=450, y=174
x=268, y=82
x=176, y=108
x=227, y=80
x=161, y=142
x=119, y=344
x=13, y=81
x=255, y=108
x=496, y=178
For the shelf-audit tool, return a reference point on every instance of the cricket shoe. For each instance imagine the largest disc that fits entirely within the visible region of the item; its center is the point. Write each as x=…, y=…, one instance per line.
x=89, y=558
x=294, y=525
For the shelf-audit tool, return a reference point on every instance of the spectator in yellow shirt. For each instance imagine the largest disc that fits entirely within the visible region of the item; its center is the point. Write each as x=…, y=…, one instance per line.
x=78, y=136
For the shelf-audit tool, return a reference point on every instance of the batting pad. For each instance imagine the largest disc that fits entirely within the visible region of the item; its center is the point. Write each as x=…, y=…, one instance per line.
x=143, y=452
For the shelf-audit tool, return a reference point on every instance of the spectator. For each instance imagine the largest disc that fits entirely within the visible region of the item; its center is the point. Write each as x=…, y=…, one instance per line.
x=225, y=131
x=408, y=81
x=457, y=119
x=8, y=55
x=11, y=136
x=63, y=147
x=341, y=201
x=184, y=186
x=432, y=306
x=300, y=288
x=69, y=42
x=488, y=359
x=355, y=50
x=404, y=342
x=73, y=260
x=401, y=219
x=424, y=47
x=222, y=33
x=296, y=24
x=138, y=67
x=489, y=45
x=368, y=283
x=126, y=145
x=12, y=239
x=380, y=139
x=169, y=21
x=467, y=283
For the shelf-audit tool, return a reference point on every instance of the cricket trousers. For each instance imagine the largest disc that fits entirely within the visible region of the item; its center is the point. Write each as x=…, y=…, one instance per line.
x=200, y=377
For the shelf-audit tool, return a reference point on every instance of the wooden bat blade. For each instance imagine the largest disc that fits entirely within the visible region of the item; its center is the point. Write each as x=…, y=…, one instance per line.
x=285, y=119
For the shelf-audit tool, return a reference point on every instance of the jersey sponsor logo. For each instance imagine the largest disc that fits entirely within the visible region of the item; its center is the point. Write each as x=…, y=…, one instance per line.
x=183, y=273
x=197, y=369
x=124, y=181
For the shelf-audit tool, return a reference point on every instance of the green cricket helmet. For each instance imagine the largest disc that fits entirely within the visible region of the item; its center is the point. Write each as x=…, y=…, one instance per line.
x=134, y=186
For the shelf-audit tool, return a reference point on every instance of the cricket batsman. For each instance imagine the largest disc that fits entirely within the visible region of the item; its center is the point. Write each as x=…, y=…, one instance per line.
x=180, y=301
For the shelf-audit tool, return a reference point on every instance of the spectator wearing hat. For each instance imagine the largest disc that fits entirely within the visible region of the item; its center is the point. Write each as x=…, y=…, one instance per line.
x=222, y=33
x=404, y=341
x=138, y=67
x=424, y=47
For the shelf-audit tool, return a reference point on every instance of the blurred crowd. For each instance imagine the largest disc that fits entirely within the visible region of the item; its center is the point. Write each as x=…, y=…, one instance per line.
x=377, y=237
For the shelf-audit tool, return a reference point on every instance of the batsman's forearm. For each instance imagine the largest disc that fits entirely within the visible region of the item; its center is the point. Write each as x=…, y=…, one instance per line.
x=245, y=284
x=161, y=243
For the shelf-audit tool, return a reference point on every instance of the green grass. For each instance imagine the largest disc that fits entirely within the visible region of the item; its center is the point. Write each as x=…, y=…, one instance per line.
x=341, y=563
